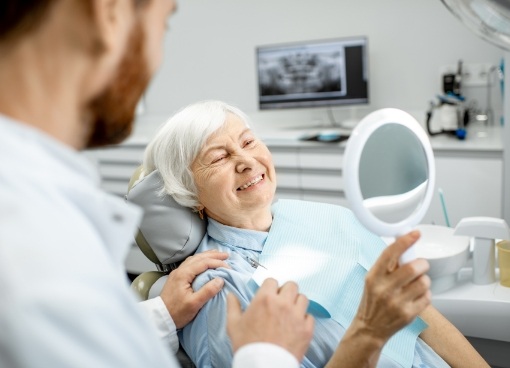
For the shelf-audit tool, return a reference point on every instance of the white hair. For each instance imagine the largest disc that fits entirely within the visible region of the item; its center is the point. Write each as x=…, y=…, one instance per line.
x=179, y=141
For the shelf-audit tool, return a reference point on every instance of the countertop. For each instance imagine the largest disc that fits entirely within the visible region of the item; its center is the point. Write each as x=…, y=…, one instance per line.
x=479, y=138
x=476, y=310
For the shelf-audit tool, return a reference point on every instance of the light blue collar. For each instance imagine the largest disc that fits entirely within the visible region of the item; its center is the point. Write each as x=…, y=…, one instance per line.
x=236, y=237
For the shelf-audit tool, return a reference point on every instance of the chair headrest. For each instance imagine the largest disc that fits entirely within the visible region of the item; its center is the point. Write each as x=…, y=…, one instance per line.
x=172, y=231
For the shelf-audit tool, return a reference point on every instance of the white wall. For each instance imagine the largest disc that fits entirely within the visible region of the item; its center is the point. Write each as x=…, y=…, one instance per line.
x=210, y=52
x=506, y=150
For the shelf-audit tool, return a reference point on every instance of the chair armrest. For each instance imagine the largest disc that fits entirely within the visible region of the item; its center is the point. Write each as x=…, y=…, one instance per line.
x=143, y=283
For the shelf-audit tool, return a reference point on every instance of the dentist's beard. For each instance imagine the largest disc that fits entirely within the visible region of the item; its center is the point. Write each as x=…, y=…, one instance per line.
x=112, y=113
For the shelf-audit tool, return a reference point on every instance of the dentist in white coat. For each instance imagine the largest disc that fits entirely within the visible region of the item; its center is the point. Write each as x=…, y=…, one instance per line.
x=71, y=74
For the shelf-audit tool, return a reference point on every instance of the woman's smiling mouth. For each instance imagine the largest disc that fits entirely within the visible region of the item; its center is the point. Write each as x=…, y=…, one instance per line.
x=256, y=180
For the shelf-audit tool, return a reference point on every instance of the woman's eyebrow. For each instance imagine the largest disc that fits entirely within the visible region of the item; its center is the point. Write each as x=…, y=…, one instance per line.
x=212, y=148
x=220, y=146
x=244, y=132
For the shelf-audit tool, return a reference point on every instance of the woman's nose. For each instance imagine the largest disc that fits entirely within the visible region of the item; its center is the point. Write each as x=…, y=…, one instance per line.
x=244, y=162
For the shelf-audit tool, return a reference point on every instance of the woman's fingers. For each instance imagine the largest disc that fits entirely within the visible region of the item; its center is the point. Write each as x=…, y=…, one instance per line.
x=388, y=260
x=417, y=288
x=394, y=295
x=407, y=273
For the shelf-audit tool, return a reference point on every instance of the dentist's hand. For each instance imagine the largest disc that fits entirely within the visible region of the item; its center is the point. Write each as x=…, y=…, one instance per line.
x=275, y=315
x=182, y=302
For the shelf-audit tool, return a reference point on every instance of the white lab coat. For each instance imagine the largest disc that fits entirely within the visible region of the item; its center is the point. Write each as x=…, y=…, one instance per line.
x=64, y=295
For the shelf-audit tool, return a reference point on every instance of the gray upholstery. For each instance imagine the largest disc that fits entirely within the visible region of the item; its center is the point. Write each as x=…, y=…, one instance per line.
x=172, y=231
x=168, y=234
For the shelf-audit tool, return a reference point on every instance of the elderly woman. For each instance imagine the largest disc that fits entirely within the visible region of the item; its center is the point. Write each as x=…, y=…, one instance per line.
x=211, y=161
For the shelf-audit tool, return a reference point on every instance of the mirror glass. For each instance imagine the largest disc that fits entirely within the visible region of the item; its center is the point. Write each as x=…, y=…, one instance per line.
x=389, y=173
x=393, y=173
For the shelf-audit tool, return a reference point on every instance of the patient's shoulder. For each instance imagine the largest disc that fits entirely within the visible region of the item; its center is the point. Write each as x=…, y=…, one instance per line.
x=211, y=274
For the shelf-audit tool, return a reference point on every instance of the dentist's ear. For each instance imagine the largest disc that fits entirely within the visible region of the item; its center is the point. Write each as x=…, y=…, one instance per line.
x=113, y=21
x=106, y=28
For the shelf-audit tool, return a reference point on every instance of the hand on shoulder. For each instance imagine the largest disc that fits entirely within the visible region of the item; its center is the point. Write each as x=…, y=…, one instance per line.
x=182, y=302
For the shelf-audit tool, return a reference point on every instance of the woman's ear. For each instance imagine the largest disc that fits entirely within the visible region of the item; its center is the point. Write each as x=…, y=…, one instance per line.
x=200, y=211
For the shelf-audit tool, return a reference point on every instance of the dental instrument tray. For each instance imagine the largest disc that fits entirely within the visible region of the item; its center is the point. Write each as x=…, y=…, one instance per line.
x=325, y=136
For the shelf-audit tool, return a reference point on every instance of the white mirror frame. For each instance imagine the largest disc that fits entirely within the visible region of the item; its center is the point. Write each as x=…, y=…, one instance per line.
x=352, y=156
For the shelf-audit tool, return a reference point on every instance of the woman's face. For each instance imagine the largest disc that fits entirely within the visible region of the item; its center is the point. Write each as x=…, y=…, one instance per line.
x=234, y=174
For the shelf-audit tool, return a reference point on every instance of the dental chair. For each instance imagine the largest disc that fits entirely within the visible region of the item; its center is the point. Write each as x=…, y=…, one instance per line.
x=167, y=235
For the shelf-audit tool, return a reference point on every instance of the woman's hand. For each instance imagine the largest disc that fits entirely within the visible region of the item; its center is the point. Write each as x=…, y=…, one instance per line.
x=275, y=315
x=182, y=302
x=393, y=296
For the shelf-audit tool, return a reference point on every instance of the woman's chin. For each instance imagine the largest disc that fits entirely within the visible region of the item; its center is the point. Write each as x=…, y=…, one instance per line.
x=254, y=199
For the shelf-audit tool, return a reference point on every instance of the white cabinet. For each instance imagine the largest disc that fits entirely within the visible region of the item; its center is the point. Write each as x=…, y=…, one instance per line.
x=472, y=184
x=308, y=171
x=117, y=164
x=471, y=179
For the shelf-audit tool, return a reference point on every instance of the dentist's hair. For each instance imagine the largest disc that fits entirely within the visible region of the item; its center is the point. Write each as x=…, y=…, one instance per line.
x=21, y=17
x=179, y=141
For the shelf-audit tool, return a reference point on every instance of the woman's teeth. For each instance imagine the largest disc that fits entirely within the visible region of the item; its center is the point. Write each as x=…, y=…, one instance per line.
x=253, y=182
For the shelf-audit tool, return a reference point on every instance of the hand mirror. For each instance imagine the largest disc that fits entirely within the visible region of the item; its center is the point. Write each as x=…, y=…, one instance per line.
x=389, y=173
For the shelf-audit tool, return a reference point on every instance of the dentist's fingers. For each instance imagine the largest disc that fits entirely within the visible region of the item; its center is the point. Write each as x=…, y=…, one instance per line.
x=275, y=315
x=208, y=255
x=206, y=292
x=234, y=312
x=302, y=303
x=182, y=302
x=197, y=264
x=289, y=290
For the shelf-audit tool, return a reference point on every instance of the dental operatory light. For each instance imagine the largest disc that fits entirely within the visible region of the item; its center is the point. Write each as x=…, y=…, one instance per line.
x=489, y=19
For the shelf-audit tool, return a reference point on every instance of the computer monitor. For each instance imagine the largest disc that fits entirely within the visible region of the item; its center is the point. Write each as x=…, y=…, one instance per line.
x=313, y=73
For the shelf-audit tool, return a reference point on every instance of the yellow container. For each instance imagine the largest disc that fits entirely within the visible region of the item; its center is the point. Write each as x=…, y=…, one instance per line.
x=504, y=262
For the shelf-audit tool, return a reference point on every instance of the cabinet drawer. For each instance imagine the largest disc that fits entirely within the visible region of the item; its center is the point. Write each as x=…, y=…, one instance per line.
x=284, y=158
x=117, y=187
x=287, y=194
x=329, y=159
x=119, y=154
x=117, y=171
x=326, y=197
x=287, y=179
x=322, y=181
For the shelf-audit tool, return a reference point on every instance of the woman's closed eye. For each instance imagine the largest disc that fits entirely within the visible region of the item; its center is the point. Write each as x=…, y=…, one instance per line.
x=249, y=142
x=218, y=159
